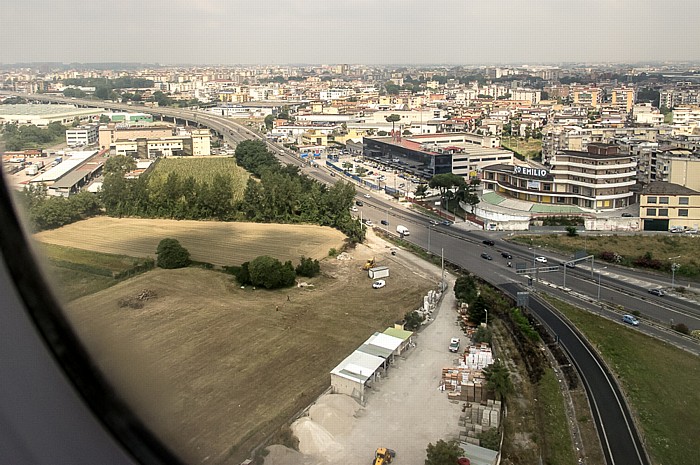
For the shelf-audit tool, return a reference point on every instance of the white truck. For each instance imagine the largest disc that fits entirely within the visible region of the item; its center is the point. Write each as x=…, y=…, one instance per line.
x=402, y=230
x=31, y=170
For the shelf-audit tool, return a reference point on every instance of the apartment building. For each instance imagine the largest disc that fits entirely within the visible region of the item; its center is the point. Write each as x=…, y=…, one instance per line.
x=589, y=97
x=645, y=113
x=598, y=179
x=82, y=136
x=664, y=205
x=681, y=94
x=686, y=116
x=622, y=99
x=676, y=166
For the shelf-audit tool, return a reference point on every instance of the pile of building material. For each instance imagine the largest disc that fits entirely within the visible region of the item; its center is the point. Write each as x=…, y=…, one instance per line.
x=478, y=357
x=462, y=383
x=430, y=303
x=478, y=418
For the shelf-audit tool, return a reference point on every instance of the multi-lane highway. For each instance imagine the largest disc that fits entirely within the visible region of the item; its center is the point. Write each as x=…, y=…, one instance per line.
x=464, y=248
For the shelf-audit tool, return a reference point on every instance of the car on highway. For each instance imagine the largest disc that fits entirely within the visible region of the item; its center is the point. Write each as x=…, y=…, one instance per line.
x=354, y=208
x=657, y=292
x=488, y=242
x=630, y=319
x=506, y=255
x=434, y=222
x=486, y=256
x=446, y=223
x=378, y=284
x=541, y=259
x=384, y=222
x=568, y=264
x=368, y=196
x=359, y=203
x=454, y=344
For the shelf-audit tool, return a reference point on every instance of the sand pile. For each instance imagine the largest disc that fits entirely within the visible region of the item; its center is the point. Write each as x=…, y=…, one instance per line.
x=281, y=455
x=335, y=412
x=315, y=440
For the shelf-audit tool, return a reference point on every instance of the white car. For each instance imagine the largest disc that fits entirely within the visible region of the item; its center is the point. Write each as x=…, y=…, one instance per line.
x=541, y=259
x=353, y=209
x=454, y=344
x=368, y=196
x=380, y=283
x=369, y=223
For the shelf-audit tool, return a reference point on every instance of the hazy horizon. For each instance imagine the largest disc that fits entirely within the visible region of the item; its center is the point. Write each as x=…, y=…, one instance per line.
x=391, y=32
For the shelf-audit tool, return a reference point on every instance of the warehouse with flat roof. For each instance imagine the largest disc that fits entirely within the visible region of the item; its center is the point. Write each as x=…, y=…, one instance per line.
x=44, y=114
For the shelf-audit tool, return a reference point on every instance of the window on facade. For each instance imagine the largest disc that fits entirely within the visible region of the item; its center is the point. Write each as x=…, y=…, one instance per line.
x=683, y=200
x=651, y=199
x=651, y=211
x=663, y=211
x=663, y=200
x=682, y=212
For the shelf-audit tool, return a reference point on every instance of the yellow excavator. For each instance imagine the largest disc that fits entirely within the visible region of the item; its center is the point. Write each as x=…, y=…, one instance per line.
x=370, y=263
x=383, y=456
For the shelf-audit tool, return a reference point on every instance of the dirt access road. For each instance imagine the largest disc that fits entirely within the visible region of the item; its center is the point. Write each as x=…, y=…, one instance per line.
x=405, y=410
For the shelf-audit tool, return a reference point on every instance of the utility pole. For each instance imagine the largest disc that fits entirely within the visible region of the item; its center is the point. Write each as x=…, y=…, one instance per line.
x=442, y=260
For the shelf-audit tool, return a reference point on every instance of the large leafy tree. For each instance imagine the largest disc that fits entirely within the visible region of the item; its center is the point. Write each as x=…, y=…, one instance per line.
x=171, y=254
x=443, y=453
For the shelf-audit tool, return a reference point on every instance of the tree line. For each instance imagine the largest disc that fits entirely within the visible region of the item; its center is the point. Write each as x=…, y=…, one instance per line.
x=276, y=194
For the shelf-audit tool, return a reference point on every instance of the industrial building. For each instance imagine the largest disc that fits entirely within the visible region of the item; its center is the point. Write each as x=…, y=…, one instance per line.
x=44, y=114
x=75, y=171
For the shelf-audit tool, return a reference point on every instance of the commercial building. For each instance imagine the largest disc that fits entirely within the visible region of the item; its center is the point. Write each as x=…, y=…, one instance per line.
x=110, y=133
x=85, y=135
x=464, y=154
x=663, y=206
x=599, y=179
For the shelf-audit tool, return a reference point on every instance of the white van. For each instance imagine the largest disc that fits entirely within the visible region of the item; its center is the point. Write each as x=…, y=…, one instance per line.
x=403, y=230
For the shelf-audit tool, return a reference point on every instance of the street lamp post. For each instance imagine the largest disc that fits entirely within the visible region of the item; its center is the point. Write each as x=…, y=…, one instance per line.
x=674, y=268
x=601, y=269
x=487, y=316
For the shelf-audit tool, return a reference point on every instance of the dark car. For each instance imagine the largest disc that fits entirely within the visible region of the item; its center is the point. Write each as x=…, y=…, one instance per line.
x=486, y=256
x=627, y=215
x=359, y=203
x=657, y=292
x=568, y=264
x=488, y=242
x=446, y=223
x=384, y=222
x=506, y=255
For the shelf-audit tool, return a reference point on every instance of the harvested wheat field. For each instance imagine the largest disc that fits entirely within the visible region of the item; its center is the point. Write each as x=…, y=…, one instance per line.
x=218, y=243
x=215, y=369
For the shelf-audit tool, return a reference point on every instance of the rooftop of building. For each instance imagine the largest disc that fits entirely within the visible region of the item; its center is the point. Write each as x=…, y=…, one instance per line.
x=35, y=109
x=667, y=188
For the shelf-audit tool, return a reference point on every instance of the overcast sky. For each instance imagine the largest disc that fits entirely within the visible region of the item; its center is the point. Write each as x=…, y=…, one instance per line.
x=353, y=31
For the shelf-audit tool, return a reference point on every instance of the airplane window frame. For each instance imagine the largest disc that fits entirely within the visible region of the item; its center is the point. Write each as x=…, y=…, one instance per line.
x=68, y=352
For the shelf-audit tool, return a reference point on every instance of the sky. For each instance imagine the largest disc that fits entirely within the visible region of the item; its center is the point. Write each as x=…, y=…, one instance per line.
x=240, y=32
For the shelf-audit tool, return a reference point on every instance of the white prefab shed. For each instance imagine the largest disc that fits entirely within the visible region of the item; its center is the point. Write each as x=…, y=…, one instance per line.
x=352, y=375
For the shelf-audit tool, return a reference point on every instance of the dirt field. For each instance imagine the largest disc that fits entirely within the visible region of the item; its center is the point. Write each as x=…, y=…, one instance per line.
x=207, y=241
x=215, y=368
